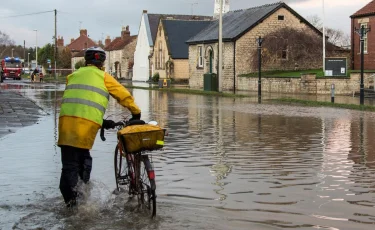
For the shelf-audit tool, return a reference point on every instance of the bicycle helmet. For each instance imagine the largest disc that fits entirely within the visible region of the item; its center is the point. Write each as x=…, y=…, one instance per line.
x=95, y=55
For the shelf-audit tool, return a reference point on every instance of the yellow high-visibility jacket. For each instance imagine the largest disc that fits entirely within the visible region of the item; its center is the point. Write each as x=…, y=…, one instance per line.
x=84, y=103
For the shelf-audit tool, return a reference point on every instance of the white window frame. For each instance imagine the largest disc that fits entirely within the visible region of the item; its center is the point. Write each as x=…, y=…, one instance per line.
x=365, y=37
x=200, y=56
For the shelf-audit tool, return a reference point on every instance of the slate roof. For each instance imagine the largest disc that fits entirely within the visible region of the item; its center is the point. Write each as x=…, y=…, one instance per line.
x=154, y=20
x=79, y=43
x=177, y=32
x=237, y=23
x=119, y=44
x=367, y=10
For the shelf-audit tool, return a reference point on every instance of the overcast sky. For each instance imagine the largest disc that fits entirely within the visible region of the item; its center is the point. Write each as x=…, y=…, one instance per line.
x=106, y=17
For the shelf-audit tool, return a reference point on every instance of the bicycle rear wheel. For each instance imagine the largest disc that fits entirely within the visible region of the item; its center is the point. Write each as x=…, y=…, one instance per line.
x=147, y=184
x=121, y=171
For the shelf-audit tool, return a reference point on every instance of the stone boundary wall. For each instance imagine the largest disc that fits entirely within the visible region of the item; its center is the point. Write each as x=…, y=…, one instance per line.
x=307, y=84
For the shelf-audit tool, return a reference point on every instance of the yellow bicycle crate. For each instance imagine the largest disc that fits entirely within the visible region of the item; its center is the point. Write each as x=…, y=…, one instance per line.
x=137, y=138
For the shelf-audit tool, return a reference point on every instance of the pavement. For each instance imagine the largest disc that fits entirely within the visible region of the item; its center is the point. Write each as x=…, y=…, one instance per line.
x=16, y=112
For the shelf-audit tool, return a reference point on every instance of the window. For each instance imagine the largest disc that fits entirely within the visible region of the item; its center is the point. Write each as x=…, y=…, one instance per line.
x=364, y=38
x=200, y=56
x=281, y=17
x=160, y=64
x=283, y=53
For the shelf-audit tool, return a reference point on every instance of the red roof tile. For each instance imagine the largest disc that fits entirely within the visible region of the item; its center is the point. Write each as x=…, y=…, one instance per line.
x=119, y=44
x=369, y=9
x=82, y=42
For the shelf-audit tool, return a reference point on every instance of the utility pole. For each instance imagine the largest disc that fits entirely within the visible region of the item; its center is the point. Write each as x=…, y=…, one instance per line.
x=220, y=70
x=260, y=41
x=324, y=42
x=24, y=50
x=55, y=50
x=362, y=33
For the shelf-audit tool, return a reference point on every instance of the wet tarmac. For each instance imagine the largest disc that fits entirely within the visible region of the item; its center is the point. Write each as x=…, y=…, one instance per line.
x=229, y=163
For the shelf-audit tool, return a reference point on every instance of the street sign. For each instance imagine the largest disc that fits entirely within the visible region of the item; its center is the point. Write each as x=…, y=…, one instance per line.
x=336, y=67
x=48, y=61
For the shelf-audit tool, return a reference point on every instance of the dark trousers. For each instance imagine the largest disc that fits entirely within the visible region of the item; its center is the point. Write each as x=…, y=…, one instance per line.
x=75, y=162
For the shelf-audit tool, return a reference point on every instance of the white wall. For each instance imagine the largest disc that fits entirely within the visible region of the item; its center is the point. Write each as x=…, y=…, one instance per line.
x=142, y=50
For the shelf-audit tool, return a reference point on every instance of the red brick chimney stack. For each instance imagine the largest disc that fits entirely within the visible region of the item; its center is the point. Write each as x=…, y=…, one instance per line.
x=107, y=41
x=125, y=33
x=83, y=32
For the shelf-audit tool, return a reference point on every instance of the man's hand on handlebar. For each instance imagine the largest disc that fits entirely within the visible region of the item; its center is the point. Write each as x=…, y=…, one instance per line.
x=135, y=117
x=108, y=124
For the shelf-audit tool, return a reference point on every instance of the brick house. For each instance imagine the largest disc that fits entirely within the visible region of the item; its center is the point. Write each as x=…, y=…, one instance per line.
x=120, y=54
x=80, y=43
x=241, y=28
x=170, y=55
x=146, y=38
x=363, y=17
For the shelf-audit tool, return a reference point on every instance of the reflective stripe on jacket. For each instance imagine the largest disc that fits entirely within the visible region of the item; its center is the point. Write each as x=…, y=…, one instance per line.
x=81, y=132
x=86, y=95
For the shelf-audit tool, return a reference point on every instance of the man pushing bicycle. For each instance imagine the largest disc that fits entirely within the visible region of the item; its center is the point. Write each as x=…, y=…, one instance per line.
x=84, y=103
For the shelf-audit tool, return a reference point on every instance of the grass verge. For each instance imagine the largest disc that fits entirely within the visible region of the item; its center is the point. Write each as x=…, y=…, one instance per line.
x=189, y=91
x=324, y=104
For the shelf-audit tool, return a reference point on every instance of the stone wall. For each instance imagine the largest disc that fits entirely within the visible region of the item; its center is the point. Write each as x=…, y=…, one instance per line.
x=160, y=53
x=181, y=70
x=127, y=57
x=307, y=84
x=246, y=45
x=196, y=73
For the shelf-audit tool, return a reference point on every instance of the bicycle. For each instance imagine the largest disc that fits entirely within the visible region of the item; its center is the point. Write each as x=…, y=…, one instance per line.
x=134, y=169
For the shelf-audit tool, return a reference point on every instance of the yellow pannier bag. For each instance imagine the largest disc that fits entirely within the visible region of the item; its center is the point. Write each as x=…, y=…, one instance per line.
x=137, y=138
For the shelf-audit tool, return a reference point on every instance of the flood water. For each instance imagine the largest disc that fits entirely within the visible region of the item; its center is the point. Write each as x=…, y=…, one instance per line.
x=227, y=164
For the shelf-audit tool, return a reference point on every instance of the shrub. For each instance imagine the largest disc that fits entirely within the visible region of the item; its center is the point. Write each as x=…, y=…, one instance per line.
x=156, y=77
x=79, y=64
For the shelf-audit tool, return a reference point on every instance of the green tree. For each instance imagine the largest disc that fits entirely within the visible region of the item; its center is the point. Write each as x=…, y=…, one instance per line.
x=45, y=53
x=64, y=59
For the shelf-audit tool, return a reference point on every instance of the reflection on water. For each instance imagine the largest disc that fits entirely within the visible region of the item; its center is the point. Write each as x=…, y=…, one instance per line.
x=228, y=164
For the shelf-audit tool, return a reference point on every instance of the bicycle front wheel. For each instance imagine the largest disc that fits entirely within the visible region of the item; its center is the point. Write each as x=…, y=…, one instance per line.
x=147, y=186
x=121, y=171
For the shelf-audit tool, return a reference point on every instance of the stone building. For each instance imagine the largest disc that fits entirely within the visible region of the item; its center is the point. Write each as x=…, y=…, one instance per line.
x=120, y=54
x=241, y=28
x=363, y=17
x=170, y=56
x=149, y=23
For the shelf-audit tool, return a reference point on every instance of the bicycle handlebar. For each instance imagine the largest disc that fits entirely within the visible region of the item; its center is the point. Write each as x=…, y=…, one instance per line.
x=120, y=123
x=123, y=123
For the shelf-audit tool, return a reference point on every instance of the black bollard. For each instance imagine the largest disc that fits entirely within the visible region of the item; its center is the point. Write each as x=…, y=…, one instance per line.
x=333, y=93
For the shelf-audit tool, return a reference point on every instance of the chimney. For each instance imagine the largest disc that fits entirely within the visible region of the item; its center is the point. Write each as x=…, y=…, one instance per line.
x=145, y=11
x=83, y=32
x=125, y=33
x=107, y=41
x=60, y=41
x=71, y=40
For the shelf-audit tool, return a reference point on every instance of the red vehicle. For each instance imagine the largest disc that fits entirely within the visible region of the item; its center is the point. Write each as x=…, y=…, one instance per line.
x=11, y=68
